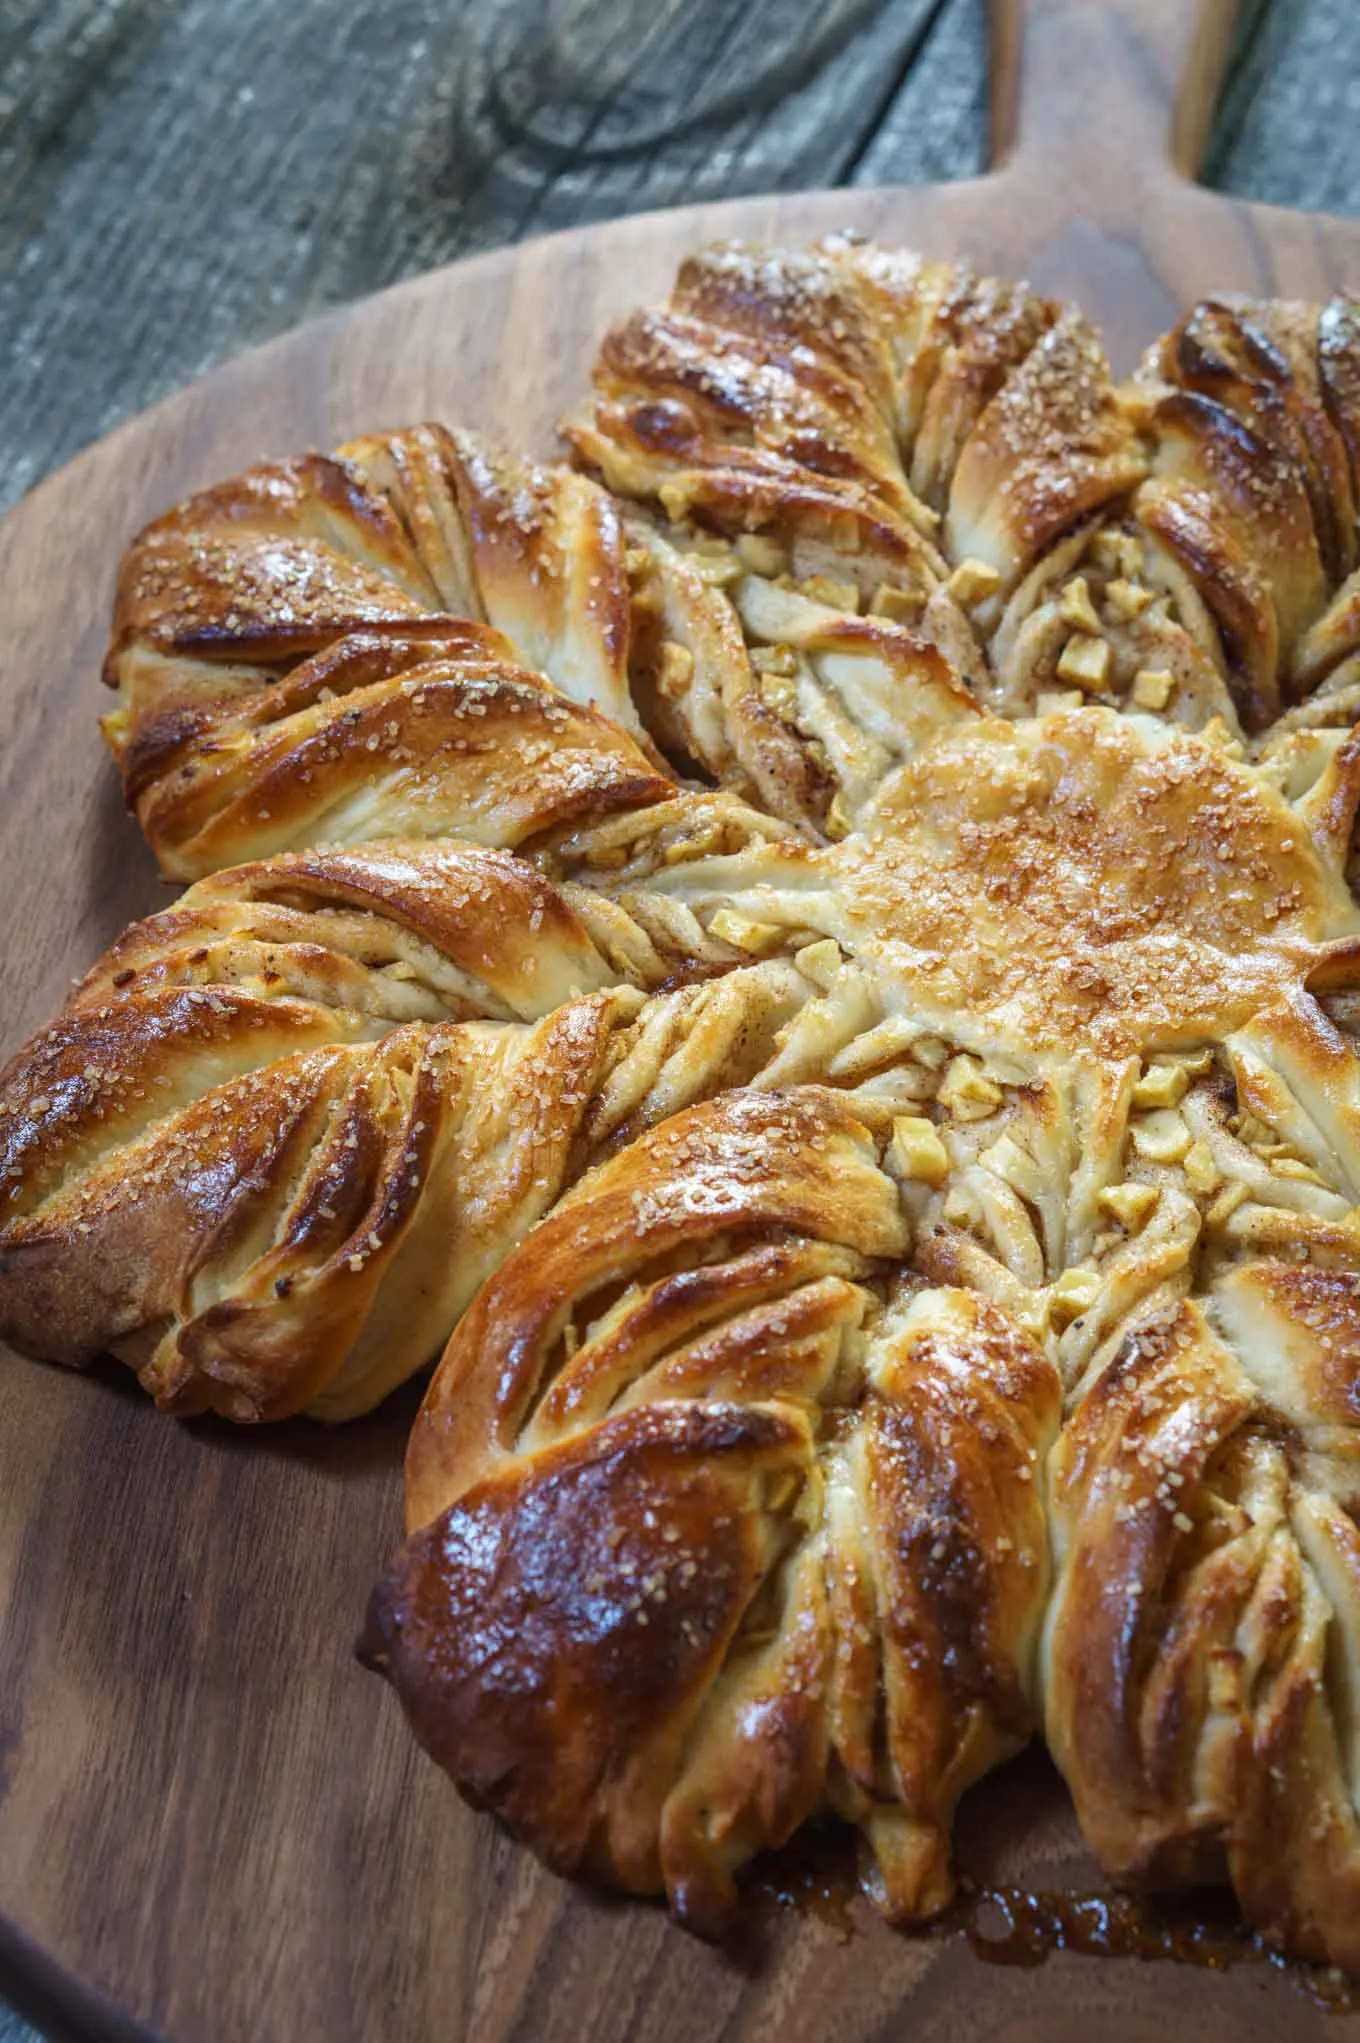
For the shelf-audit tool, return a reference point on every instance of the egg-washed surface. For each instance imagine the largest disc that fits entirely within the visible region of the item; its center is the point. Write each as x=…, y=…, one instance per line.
x=821, y=953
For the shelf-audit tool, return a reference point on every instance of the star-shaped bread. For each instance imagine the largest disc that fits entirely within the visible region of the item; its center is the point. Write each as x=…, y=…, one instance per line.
x=813, y=954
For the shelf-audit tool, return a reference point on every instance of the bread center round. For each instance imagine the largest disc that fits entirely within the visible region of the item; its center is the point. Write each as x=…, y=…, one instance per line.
x=1081, y=879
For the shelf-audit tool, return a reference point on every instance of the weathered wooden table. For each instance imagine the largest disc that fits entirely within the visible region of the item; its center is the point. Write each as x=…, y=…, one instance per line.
x=182, y=178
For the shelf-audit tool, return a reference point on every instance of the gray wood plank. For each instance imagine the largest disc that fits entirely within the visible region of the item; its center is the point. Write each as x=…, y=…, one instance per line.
x=182, y=178
x=935, y=127
x=179, y=180
x=1288, y=128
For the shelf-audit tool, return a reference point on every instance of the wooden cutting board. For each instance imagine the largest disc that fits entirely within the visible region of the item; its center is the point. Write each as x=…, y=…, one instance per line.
x=212, y=1824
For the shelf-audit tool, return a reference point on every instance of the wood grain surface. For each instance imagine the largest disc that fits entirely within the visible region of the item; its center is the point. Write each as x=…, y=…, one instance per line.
x=212, y=1825
x=180, y=179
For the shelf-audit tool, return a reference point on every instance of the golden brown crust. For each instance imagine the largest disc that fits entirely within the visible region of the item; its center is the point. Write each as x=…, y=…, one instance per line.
x=776, y=402
x=269, y=1150
x=1201, y=1648
x=1074, y=881
x=1012, y=951
x=685, y=1501
x=1051, y=448
x=1252, y=485
x=368, y=741
x=883, y=421
x=333, y=646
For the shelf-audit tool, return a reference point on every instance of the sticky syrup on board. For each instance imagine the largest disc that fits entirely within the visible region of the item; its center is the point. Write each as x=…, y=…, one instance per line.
x=816, y=1876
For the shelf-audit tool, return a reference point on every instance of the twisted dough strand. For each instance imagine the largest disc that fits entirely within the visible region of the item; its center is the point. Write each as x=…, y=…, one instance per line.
x=691, y=1511
x=269, y=1150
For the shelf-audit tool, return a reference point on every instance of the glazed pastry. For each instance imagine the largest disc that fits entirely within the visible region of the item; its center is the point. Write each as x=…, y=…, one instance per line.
x=713, y=1530
x=1119, y=1097
x=852, y=433
x=824, y=956
x=283, y=1130
x=320, y=649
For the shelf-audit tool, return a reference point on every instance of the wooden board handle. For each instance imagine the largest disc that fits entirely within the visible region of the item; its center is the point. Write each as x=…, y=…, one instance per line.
x=1107, y=87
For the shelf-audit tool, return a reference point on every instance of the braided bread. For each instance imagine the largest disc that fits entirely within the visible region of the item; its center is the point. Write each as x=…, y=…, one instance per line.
x=283, y=1130
x=856, y=430
x=688, y=1405
x=825, y=957
x=320, y=649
